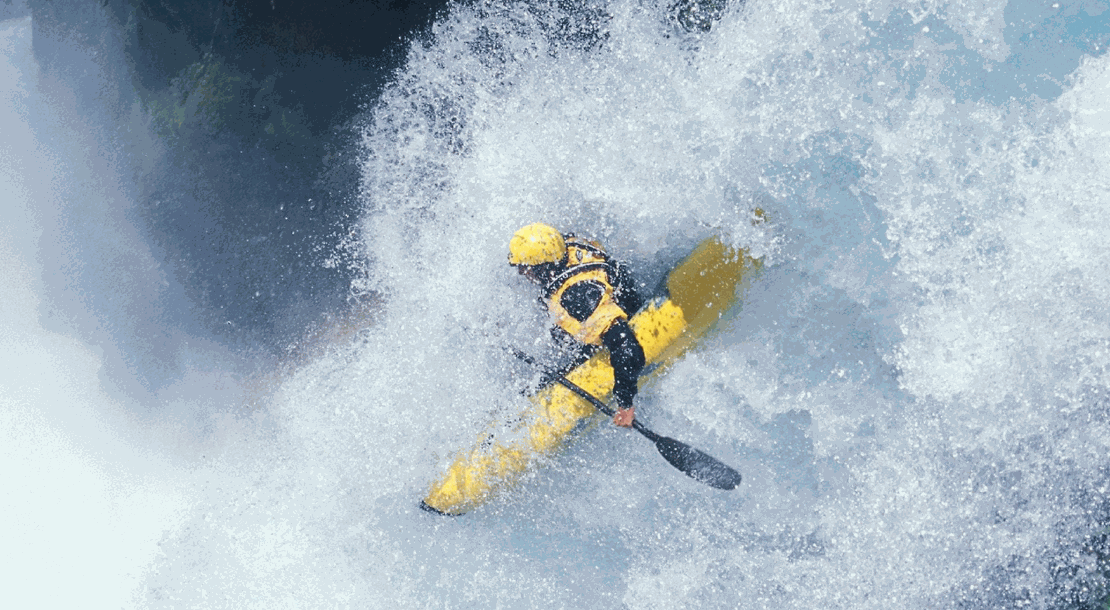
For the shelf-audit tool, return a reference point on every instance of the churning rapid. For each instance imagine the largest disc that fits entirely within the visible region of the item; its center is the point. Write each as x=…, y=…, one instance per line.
x=915, y=389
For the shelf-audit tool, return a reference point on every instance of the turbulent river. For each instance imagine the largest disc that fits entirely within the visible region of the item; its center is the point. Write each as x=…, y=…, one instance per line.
x=916, y=389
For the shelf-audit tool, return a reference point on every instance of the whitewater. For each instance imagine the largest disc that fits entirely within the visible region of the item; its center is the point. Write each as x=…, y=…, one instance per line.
x=915, y=389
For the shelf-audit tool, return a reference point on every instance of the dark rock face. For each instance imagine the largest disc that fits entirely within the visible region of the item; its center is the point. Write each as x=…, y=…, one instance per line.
x=249, y=183
x=229, y=125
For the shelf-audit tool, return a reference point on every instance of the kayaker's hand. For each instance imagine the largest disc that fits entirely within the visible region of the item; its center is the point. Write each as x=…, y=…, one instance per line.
x=624, y=417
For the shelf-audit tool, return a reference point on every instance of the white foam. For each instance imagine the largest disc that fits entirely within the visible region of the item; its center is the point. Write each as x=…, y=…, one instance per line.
x=914, y=388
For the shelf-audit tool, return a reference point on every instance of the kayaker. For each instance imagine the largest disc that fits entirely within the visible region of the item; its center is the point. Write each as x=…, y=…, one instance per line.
x=590, y=297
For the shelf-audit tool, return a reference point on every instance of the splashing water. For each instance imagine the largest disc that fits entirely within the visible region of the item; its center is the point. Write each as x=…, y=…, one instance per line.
x=915, y=389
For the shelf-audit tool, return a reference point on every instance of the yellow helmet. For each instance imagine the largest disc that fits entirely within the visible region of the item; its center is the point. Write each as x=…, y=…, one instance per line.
x=537, y=244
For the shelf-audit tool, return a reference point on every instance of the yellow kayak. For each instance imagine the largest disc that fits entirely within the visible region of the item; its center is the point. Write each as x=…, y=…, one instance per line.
x=698, y=292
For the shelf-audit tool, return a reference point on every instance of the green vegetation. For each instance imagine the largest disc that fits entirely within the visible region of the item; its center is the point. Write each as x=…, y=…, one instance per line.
x=210, y=98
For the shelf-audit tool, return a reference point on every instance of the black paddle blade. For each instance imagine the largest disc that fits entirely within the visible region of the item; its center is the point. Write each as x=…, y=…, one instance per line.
x=697, y=464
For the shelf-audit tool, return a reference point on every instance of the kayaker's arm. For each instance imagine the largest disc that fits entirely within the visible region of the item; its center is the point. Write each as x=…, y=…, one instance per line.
x=626, y=356
x=627, y=359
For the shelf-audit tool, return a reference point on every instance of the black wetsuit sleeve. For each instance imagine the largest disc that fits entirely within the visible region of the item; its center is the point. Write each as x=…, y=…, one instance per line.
x=627, y=357
x=624, y=287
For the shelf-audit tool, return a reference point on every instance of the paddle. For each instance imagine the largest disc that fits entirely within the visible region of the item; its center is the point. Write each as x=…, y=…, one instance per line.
x=695, y=463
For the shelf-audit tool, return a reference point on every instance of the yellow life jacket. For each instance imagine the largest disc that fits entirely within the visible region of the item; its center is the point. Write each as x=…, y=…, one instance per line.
x=586, y=262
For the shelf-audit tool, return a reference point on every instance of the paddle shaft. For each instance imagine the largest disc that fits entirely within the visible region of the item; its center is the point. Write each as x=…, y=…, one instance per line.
x=604, y=408
x=694, y=462
x=593, y=400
